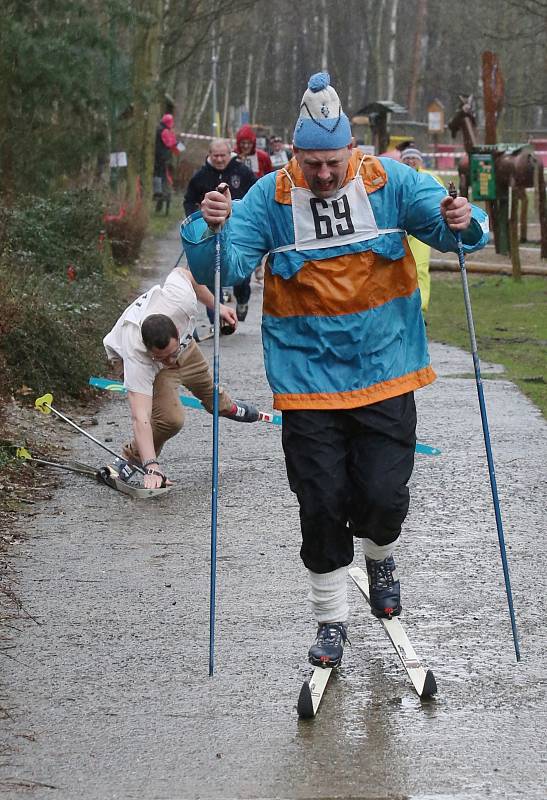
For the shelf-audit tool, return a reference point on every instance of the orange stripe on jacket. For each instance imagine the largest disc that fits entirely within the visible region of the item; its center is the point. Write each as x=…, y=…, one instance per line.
x=343, y=284
x=325, y=401
x=340, y=285
x=372, y=172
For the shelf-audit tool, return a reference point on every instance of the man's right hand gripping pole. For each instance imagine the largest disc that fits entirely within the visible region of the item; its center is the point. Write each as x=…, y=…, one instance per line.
x=216, y=207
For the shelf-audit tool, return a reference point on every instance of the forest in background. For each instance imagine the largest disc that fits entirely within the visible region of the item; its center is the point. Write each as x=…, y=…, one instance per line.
x=80, y=79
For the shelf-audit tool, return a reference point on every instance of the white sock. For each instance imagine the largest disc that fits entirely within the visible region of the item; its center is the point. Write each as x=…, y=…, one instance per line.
x=329, y=595
x=378, y=551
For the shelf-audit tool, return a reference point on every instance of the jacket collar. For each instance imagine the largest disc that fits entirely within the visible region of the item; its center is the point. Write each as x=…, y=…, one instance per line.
x=372, y=172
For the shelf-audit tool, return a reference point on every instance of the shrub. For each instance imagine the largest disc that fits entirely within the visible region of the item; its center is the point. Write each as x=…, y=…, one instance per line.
x=51, y=233
x=126, y=230
x=52, y=330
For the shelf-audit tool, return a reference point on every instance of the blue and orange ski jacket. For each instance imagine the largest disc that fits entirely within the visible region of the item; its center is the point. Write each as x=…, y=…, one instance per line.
x=342, y=327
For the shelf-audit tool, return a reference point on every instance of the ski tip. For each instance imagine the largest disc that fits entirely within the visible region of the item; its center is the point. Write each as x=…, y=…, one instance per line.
x=430, y=685
x=305, y=705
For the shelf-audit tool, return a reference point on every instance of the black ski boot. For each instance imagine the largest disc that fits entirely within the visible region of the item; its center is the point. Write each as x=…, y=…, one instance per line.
x=329, y=644
x=242, y=412
x=384, y=586
x=124, y=468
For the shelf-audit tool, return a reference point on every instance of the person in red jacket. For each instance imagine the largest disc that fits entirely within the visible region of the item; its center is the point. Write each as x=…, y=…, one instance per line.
x=258, y=161
x=166, y=145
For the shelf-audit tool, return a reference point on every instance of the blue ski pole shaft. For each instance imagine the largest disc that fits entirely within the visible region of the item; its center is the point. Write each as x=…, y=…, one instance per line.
x=486, y=433
x=214, y=481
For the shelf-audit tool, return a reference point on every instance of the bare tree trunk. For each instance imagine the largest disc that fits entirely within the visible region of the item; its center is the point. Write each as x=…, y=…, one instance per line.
x=248, y=83
x=258, y=82
x=378, y=60
x=146, y=53
x=224, y=120
x=203, y=106
x=392, y=44
x=421, y=14
x=325, y=42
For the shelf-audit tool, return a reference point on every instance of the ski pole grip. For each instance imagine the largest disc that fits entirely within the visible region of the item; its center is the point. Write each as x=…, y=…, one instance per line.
x=222, y=188
x=43, y=403
x=452, y=191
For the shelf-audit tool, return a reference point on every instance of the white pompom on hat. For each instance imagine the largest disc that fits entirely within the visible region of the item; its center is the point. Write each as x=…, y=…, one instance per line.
x=322, y=125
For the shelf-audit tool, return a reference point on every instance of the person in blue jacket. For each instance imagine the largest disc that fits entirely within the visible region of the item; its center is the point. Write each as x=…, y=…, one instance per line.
x=344, y=338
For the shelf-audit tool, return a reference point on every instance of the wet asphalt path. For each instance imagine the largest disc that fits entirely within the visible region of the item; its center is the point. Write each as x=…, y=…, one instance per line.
x=110, y=697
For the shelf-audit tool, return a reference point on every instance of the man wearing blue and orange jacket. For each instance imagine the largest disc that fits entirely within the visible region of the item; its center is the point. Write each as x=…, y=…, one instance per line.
x=344, y=337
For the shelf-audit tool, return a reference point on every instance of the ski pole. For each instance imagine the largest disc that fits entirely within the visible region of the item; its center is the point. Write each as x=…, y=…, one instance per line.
x=43, y=404
x=23, y=454
x=214, y=479
x=178, y=259
x=482, y=405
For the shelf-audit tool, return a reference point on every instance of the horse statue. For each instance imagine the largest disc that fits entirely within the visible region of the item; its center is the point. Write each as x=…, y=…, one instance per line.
x=515, y=166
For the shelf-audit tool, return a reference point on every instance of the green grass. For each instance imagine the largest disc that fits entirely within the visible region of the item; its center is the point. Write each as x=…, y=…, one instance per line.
x=159, y=224
x=510, y=324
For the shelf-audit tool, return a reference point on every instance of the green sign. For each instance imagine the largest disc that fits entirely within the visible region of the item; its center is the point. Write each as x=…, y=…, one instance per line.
x=483, y=179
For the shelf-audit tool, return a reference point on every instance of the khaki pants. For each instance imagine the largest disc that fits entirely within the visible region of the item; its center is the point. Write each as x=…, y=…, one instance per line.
x=167, y=420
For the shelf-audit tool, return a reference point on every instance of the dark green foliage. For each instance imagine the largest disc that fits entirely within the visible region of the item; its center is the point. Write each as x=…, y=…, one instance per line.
x=56, y=91
x=56, y=341
x=51, y=329
x=52, y=233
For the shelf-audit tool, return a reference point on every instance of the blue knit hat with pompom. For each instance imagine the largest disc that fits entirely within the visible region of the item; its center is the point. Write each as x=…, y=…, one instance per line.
x=322, y=125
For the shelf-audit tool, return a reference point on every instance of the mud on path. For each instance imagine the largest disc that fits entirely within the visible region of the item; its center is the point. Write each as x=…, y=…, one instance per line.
x=106, y=686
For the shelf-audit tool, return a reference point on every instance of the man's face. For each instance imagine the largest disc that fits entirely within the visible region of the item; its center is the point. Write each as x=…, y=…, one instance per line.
x=324, y=170
x=167, y=356
x=277, y=144
x=245, y=147
x=415, y=163
x=219, y=156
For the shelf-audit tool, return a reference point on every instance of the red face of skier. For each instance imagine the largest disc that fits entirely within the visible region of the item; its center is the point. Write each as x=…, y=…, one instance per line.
x=324, y=170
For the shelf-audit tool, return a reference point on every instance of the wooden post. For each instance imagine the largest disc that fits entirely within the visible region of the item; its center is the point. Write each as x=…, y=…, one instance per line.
x=523, y=215
x=542, y=208
x=514, y=233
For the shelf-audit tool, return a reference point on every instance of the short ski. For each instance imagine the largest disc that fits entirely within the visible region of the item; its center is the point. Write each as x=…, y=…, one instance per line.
x=109, y=476
x=263, y=416
x=312, y=691
x=422, y=679
x=106, y=475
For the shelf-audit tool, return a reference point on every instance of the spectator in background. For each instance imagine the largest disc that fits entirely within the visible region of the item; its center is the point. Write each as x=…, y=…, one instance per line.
x=258, y=161
x=278, y=154
x=167, y=145
x=412, y=157
x=222, y=166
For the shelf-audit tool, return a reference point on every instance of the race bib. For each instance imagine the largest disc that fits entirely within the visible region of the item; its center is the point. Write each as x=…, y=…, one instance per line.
x=344, y=218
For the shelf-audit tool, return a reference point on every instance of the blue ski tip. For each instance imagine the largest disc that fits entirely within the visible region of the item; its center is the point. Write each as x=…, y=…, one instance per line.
x=427, y=449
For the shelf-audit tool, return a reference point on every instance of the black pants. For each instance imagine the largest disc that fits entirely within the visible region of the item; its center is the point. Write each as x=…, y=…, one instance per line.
x=349, y=470
x=242, y=291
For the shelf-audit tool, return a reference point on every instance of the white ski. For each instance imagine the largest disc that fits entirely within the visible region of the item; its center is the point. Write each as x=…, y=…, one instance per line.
x=422, y=679
x=109, y=476
x=312, y=692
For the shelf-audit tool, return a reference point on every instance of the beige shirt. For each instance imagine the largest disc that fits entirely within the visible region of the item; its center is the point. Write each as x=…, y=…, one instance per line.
x=177, y=300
